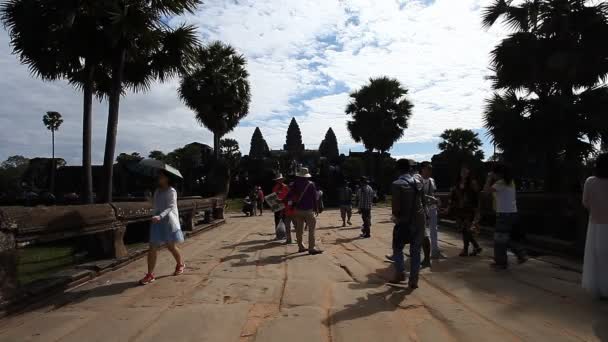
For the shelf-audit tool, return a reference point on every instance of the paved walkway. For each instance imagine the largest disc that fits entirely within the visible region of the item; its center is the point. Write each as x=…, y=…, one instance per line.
x=240, y=286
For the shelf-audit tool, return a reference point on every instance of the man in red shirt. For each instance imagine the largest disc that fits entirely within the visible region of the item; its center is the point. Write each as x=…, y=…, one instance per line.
x=281, y=189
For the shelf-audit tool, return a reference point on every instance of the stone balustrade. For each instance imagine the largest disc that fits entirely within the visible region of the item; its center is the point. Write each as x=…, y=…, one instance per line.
x=106, y=224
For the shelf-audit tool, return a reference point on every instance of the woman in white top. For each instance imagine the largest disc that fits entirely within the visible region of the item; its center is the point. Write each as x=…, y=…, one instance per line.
x=500, y=182
x=165, y=227
x=595, y=198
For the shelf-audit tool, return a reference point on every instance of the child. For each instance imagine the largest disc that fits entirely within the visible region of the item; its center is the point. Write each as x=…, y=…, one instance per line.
x=165, y=227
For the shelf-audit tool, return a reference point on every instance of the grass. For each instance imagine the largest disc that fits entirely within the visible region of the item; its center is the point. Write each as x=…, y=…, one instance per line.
x=38, y=262
x=234, y=205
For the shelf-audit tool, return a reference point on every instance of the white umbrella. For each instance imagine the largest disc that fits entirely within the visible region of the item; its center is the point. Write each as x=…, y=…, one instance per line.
x=150, y=167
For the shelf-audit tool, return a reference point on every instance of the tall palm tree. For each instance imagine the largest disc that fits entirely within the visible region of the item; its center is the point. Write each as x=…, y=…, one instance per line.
x=380, y=113
x=217, y=89
x=62, y=40
x=549, y=73
x=52, y=121
x=143, y=48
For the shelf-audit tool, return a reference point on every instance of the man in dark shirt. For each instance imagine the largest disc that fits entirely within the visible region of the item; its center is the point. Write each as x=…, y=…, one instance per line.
x=305, y=209
x=345, y=198
x=408, y=214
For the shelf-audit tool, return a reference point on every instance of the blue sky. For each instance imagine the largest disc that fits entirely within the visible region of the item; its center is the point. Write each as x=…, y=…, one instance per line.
x=304, y=58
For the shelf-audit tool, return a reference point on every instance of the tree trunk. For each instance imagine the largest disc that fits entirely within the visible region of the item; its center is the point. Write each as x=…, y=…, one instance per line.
x=216, y=145
x=87, y=114
x=113, y=108
x=52, y=182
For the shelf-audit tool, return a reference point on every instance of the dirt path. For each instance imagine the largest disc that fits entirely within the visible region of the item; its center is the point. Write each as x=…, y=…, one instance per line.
x=241, y=286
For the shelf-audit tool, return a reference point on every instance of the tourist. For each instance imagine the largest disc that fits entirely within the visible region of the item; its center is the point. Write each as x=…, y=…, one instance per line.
x=290, y=212
x=165, y=227
x=248, y=208
x=345, y=200
x=281, y=190
x=464, y=203
x=260, y=198
x=595, y=198
x=431, y=243
x=320, y=203
x=500, y=182
x=305, y=205
x=365, y=199
x=408, y=214
x=253, y=196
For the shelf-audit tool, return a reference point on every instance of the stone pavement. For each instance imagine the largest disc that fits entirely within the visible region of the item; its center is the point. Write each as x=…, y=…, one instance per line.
x=241, y=286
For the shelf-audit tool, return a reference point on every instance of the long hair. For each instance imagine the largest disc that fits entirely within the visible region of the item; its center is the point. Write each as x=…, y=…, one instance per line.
x=601, y=166
x=469, y=181
x=505, y=171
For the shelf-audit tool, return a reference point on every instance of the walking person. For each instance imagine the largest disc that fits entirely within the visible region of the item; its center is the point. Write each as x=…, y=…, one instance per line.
x=432, y=203
x=464, y=202
x=365, y=199
x=408, y=214
x=345, y=200
x=253, y=196
x=500, y=182
x=165, y=227
x=595, y=199
x=260, y=199
x=281, y=190
x=306, y=210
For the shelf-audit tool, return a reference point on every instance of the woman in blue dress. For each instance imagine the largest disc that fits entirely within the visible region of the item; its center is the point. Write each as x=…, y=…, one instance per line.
x=165, y=227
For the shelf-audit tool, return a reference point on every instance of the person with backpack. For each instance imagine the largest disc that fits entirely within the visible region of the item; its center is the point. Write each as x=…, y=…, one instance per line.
x=409, y=217
x=306, y=210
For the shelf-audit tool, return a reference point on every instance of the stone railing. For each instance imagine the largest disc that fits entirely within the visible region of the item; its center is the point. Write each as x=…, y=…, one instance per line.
x=558, y=220
x=106, y=224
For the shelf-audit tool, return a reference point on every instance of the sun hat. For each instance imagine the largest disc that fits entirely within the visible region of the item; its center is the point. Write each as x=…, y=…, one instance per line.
x=303, y=173
x=279, y=176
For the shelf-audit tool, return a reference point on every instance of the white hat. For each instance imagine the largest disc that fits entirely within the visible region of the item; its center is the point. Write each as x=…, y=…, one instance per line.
x=303, y=173
x=279, y=176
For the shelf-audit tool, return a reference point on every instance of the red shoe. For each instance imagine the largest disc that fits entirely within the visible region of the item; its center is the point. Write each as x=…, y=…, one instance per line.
x=149, y=278
x=179, y=269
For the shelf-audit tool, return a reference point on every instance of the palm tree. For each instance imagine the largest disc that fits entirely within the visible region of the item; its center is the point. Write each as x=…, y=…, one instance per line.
x=52, y=121
x=61, y=40
x=380, y=113
x=142, y=49
x=549, y=77
x=217, y=89
x=462, y=143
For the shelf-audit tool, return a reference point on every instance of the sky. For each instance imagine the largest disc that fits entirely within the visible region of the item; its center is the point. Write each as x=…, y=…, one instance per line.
x=304, y=58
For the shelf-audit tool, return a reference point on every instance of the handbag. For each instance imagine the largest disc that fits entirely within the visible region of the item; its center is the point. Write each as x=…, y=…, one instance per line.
x=281, y=230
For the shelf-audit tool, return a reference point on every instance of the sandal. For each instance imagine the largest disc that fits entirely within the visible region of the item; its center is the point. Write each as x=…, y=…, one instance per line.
x=179, y=269
x=149, y=278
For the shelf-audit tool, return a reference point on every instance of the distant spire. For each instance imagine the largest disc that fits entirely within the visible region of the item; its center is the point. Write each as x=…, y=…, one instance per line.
x=293, y=143
x=259, y=147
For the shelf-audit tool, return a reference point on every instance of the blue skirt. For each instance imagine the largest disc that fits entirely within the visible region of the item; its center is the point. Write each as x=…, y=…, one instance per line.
x=161, y=233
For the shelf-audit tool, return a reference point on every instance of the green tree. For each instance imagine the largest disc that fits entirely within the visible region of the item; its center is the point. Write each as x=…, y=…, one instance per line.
x=158, y=155
x=11, y=172
x=217, y=89
x=54, y=39
x=549, y=80
x=125, y=158
x=380, y=113
x=52, y=121
x=143, y=48
x=230, y=152
x=463, y=143
x=258, y=148
x=293, y=143
x=329, y=145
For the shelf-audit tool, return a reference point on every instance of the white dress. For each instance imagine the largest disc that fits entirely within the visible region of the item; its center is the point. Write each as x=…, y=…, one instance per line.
x=595, y=277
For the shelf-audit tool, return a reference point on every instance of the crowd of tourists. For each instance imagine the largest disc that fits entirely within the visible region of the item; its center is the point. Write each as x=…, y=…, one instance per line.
x=415, y=210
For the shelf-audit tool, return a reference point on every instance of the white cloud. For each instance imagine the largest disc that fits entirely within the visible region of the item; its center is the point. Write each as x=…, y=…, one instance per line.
x=304, y=57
